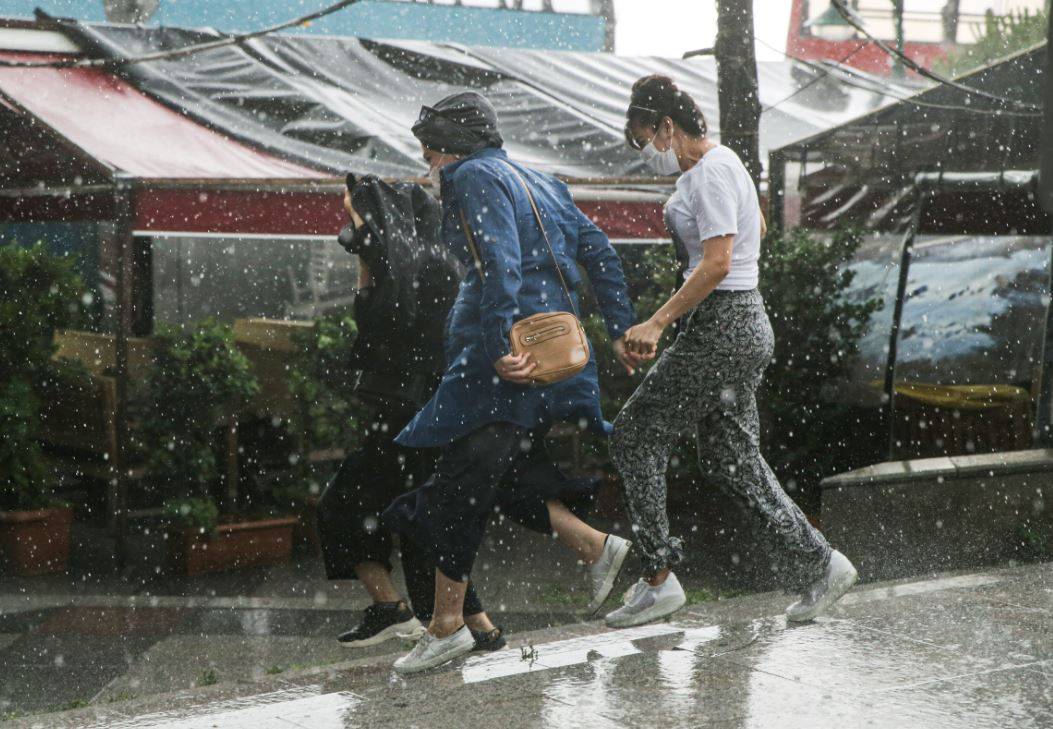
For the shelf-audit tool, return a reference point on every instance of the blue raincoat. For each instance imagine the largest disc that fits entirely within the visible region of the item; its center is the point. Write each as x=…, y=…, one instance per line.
x=517, y=279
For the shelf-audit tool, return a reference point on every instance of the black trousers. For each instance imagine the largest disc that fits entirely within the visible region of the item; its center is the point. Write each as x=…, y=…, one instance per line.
x=501, y=467
x=349, y=510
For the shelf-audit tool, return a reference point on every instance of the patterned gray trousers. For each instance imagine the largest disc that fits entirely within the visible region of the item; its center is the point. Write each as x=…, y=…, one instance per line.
x=707, y=379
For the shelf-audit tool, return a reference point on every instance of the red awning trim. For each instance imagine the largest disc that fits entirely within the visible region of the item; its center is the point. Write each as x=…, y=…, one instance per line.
x=238, y=212
x=626, y=219
x=269, y=212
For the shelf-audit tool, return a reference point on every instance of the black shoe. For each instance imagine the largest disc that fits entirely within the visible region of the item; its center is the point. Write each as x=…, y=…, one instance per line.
x=489, y=641
x=383, y=621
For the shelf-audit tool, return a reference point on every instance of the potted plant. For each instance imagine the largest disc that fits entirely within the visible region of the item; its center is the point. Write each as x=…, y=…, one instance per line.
x=329, y=422
x=39, y=293
x=34, y=530
x=195, y=386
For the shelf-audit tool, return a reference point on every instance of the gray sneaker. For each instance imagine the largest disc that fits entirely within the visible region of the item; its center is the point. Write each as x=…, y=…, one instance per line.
x=644, y=603
x=839, y=577
x=430, y=651
x=604, y=573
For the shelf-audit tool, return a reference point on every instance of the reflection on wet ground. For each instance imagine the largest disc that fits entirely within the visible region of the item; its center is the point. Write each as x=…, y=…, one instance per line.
x=965, y=651
x=60, y=657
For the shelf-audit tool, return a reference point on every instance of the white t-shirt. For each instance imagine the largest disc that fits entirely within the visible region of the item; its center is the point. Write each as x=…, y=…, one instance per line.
x=716, y=197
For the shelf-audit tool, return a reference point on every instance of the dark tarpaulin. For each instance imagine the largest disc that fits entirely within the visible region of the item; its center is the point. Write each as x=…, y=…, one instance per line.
x=335, y=104
x=344, y=104
x=863, y=172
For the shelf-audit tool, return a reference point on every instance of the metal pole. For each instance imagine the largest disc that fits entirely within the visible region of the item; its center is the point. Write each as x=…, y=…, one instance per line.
x=776, y=191
x=1044, y=407
x=123, y=225
x=897, y=317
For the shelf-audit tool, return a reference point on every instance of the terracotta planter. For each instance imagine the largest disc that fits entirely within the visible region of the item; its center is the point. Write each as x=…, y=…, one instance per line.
x=35, y=542
x=232, y=546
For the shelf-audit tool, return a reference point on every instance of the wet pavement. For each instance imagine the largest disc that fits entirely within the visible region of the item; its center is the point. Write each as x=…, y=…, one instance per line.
x=961, y=650
x=96, y=635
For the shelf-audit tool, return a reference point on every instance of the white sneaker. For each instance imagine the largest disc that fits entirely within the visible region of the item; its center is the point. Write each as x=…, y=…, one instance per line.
x=605, y=571
x=644, y=603
x=817, y=599
x=430, y=651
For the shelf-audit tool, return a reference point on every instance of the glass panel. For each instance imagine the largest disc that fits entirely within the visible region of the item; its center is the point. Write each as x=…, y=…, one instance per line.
x=233, y=278
x=969, y=351
x=876, y=269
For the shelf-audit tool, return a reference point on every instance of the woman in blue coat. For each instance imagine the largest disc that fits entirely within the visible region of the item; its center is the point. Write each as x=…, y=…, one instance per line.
x=486, y=416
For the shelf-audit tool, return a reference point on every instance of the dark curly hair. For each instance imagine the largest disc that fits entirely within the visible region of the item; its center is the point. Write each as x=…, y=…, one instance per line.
x=656, y=97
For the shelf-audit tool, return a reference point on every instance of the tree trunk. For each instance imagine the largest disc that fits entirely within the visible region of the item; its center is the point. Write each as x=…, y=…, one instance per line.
x=737, y=82
x=951, y=14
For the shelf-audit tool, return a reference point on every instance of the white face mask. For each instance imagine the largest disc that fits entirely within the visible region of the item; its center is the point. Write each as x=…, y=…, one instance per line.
x=435, y=175
x=661, y=163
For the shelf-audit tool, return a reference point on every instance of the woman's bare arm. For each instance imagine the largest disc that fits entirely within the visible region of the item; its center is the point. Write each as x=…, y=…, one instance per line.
x=642, y=339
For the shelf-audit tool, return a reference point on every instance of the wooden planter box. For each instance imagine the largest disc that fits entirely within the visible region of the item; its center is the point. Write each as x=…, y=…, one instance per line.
x=232, y=546
x=35, y=542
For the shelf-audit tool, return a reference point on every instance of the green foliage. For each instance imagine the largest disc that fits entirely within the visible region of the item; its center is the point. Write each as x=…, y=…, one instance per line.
x=198, y=514
x=23, y=476
x=323, y=382
x=1032, y=540
x=39, y=293
x=817, y=333
x=197, y=380
x=1000, y=36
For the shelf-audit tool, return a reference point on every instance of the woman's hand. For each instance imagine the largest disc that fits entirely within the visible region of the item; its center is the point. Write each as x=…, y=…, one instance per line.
x=351, y=212
x=642, y=339
x=515, y=368
x=630, y=360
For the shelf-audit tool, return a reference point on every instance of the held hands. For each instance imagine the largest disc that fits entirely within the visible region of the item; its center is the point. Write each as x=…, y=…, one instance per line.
x=515, y=368
x=639, y=345
x=641, y=340
x=630, y=360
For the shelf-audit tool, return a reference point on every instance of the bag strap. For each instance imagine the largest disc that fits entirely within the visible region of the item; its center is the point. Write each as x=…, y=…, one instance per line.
x=537, y=216
x=471, y=242
x=544, y=233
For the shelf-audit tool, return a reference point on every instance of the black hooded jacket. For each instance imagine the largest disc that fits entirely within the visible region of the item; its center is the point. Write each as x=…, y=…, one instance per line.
x=401, y=317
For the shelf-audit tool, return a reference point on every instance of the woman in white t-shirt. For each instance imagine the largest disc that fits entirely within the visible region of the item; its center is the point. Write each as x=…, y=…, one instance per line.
x=707, y=379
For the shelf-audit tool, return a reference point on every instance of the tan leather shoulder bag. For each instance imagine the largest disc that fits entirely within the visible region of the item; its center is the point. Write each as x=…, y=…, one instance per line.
x=555, y=340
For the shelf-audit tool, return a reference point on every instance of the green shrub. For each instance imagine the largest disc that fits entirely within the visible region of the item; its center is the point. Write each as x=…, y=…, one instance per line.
x=39, y=293
x=24, y=478
x=197, y=380
x=197, y=514
x=322, y=380
x=817, y=332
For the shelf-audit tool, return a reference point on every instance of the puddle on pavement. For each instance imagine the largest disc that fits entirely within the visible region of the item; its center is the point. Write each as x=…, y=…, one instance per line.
x=306, y=707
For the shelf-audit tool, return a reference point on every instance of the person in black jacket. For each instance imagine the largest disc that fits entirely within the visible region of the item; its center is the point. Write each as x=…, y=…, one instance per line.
x=407, y=283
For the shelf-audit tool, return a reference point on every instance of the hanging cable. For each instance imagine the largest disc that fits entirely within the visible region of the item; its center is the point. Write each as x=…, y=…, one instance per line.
x=180, y=52
x=823, y=73
x=856, y=22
